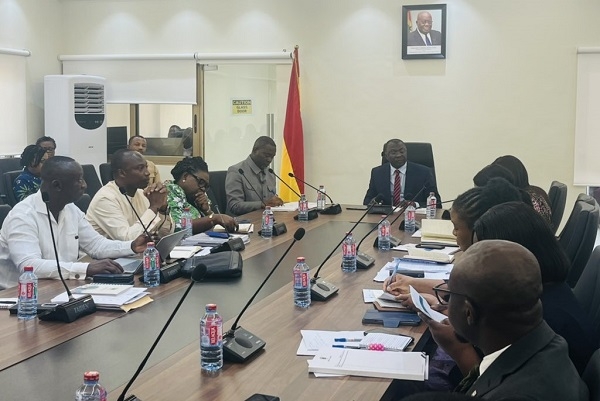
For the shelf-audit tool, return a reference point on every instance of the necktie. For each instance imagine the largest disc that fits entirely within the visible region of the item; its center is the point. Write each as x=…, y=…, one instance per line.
x=397, y=188
x=468, y=381
x=427, y=41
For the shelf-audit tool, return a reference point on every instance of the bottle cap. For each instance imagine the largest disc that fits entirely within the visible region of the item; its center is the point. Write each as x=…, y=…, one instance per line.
x=267, y=207
x=91, y=375
x=186, y=209
x=150, y=244
x=211, y=307
x=28, y=268
x=300, y=259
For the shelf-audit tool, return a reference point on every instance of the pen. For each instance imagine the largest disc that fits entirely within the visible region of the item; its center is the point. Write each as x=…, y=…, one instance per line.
x=393, y=274
x=369, y=347
x=343, y=340
x=8, y=302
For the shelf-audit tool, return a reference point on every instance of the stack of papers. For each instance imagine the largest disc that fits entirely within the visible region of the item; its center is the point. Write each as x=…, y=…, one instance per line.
x=113, y=302
x=445, y=255
x=359, y=362
x=429, y=269
x=101, y=289
x=292, y=207
x=437, y=232
x=314, y=340
x=205, y=240
x=184, y=252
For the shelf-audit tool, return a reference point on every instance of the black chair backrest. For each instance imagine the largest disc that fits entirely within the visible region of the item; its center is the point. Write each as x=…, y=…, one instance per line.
x=591, y=376
x=418, y=152
x=83, y=203
x=558, y=200
x=7, y=164
x=217, y=188
x=579, y=235
x=106, y=174
x=4, y=209
x=587, y=290
x=9, y=179
x=91, y=178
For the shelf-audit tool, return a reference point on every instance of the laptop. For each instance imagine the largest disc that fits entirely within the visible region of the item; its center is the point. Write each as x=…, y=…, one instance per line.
x=164, y=247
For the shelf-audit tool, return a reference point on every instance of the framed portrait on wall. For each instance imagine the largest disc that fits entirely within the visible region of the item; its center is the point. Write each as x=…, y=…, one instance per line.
x=424, y=31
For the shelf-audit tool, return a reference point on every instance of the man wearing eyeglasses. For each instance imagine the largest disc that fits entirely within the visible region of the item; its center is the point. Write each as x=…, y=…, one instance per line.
x=493, y=299
x=113, y=209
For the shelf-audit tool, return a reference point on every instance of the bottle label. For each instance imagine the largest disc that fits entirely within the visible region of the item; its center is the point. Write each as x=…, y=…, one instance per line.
x=267, y=219
x=303, y=206
x=301, y=279
x=432, y=202
x=27, y=290
x=213, y=334
x=151, y=261
x=410, y=214
x=349, y=249
x=384, y=231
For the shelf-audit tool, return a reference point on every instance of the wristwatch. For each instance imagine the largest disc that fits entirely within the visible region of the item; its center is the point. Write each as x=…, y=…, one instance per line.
x=210, y=216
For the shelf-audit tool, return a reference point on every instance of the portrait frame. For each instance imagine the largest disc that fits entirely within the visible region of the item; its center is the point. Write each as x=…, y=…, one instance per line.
x=413, y=45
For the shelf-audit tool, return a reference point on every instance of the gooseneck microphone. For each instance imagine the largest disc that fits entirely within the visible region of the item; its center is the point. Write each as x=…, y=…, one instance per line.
x=320, y=290
x=124, y=192
x=197, y=275
x=334, y=208
x=363, y=260
x=239, y=344
x=285, y=183
x=74, y=308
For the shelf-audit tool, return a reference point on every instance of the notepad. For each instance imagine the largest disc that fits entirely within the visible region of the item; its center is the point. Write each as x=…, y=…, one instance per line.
x=394, y=342
x=431, y=255
x=184, y=252
x=101, y=289
x=437, y=231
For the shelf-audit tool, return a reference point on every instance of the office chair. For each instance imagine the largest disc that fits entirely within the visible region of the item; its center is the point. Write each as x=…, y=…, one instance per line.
x=83, y=203
x=591, y=376
x=91, y=179
x=579, y=235
x=587, y=290
x=558, y=200
x=7, y=164
x=418, y=152
x=9, y=179
x=217, y=187
x=4, y=210
x=106, y=174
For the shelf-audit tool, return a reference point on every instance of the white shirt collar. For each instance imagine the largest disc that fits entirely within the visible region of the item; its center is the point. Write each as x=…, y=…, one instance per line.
x=489, y=359
x=402, y=169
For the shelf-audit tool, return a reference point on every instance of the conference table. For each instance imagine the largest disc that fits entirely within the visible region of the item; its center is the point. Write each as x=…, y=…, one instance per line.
x=46, y=360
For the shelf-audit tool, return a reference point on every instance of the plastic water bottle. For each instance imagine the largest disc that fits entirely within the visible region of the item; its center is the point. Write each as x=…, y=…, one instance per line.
x=186, y=222
x=321, y=198
x=211, y=340
x=349, y=254
x=151, y=266
x=409, y=218
x=383, y=234
x=431, y=205
x=91, y=390
x=28, y=291
x=302, y=208
x=266, y=229
x=301, y=283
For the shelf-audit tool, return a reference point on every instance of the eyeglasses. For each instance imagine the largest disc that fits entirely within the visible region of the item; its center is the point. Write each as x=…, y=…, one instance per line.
x=443, y=294
x=201, y=183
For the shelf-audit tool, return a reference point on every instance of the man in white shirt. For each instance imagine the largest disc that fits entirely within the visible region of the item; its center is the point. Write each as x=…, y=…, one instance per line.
x=25, y=238
x=110, y=212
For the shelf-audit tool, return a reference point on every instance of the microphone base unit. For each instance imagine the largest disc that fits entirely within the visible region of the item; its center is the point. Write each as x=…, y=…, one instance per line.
x=364, y=261
x=234, y=244
x=133, y=398
x=332, y=209
x=321, y=290
x=381, y=209
x=394, y=242
x=240, y=345
x=278, y=229
x=312, y=214
x=70, y=310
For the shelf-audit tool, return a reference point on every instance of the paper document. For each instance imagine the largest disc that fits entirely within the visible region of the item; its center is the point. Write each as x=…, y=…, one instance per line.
x=430, y=255
x=292, y=207
x=205, y=240
x=127, y=297
x=389, y=341
x=101, y=289
x=313, y=340
x=422, y=305
x=184, y=252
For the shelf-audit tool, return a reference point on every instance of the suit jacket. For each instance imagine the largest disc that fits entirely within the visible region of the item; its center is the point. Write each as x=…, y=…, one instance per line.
x=414, y=39
x=535, y=367
x=417, y=176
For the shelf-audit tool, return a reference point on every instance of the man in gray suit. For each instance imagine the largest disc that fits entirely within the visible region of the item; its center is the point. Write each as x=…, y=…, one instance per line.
x=493, y=302
x=424, y=35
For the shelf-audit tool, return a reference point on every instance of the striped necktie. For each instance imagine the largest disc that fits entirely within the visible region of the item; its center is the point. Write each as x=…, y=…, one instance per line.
x=427, y=41
x=397, y=188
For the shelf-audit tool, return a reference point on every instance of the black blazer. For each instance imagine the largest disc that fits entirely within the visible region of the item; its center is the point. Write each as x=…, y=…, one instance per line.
x=417, y=176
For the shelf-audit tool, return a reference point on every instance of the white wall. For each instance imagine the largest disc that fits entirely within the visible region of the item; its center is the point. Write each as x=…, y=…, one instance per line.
x=507, y=85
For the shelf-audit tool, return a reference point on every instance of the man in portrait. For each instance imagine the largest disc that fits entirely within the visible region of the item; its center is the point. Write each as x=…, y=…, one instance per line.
x=424, y=35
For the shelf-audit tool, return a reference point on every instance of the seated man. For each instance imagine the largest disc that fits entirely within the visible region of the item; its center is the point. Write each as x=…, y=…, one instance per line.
x=399, y=179
x=494, y=303
x=110, y=211
x=241, y=197
x=25, y=238
x=138, y=144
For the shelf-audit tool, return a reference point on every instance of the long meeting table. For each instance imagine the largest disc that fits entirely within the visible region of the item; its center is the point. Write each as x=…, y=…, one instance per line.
x=46, y=360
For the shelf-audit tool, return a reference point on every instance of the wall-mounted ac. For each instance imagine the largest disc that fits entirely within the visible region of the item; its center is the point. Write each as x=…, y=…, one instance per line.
x=74, y=112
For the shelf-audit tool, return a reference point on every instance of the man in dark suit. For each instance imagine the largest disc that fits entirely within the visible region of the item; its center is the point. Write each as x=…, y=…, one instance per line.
x=494, y=303
x=399, y=179
x=424, y=35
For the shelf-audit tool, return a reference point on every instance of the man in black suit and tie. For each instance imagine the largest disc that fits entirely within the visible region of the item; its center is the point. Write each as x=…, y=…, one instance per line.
x=424, y=35
x=399, y=179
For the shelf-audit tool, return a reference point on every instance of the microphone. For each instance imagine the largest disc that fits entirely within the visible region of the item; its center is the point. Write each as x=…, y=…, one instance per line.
x=239, y=344
x=252, y=186
x=285, y=183
x=197, y=275
x=363, y=260
x=74, y=308
x=312, y=213
x=124, y=192
x=320, y=290
x=334, y=208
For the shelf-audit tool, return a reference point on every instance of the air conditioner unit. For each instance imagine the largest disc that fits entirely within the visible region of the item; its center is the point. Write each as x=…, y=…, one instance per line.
x=74, y=112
